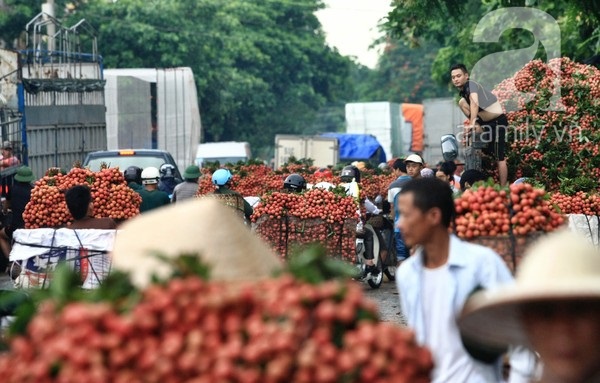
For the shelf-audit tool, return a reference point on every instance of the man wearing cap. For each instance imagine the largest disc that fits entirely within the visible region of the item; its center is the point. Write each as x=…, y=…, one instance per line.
x=8, y=159
x=414, y=165
x=434, y=283
x=189, y=187
x=553, y=308
x=16, y=200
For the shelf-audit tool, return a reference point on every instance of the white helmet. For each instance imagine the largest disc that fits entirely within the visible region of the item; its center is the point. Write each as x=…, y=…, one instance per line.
x=150, y=175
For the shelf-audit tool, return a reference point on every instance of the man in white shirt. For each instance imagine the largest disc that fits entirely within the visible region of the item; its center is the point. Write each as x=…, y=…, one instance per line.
x=437, y=279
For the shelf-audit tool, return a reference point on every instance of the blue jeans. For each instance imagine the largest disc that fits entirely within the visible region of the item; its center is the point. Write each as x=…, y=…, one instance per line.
x=401, y=249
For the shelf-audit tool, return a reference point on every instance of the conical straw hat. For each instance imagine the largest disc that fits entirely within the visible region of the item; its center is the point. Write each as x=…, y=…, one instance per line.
x=560, y=266
x=202, y=226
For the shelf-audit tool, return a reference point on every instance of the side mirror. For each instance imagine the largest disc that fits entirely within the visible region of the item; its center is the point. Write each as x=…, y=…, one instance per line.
x=449, y=147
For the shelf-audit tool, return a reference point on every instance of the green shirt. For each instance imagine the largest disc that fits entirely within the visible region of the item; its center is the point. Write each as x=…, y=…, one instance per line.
x=151, y=199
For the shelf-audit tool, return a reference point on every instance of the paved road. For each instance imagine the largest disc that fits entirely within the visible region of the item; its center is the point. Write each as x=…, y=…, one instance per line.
x=387, y=300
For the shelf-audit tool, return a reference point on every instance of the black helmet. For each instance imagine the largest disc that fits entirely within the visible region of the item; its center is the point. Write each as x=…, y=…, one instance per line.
x=167, y=171
x=294, y=182
x=349, y=173
x=133, y=174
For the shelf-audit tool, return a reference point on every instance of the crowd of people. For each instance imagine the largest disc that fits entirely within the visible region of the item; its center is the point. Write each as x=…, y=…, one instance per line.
x=157, y=187
x=460, y=298
x=463, y=302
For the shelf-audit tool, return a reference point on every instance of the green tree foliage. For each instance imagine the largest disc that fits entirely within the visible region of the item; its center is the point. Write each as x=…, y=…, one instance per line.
x=15, y=14
x=403, y=75
x=451, y=24
x=261, y=67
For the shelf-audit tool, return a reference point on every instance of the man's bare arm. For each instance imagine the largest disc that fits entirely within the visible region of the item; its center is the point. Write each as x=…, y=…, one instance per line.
x=464, y=106
x=474, y=108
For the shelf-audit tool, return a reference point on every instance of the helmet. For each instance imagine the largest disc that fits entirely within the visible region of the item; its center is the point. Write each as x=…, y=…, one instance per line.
x=133, y=174
x=427, y=173
x=350, y=172
x=167, y=171
x=294, y=182
x=150, y=175
x=221, y=176
x=323, y=173
x=521, y=180
x=383, y=166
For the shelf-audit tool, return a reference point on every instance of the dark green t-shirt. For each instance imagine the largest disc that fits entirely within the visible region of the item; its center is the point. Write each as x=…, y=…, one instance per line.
x=151, y=199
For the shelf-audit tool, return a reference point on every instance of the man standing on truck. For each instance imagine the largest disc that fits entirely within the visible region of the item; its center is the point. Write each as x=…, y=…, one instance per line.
x=485, y=116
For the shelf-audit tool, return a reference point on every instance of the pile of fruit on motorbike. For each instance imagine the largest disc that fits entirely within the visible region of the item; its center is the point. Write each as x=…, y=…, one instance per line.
x=506, y=219
x=110, y=193
x=285, y=220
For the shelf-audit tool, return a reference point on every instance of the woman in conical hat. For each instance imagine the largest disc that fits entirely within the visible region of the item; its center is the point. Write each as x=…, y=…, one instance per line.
x=553, y=308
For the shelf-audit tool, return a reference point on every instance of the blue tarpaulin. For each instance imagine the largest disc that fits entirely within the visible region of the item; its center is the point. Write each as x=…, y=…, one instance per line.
x=358, y=147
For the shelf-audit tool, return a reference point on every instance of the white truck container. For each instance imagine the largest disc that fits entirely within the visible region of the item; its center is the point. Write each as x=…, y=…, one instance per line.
x=441, y=116
x=324, y=151
x=382, y=120
x=153, y=109
x=224, y=152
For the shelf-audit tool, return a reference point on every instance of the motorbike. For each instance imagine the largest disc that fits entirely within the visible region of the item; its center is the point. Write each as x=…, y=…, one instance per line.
x=384, y=251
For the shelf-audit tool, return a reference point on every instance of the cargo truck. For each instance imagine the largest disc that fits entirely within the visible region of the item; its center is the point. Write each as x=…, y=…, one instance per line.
x=153, y=108
x=324, y=151
x=329, y=149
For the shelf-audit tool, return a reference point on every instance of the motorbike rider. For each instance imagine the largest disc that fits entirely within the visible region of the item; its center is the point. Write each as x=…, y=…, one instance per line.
x=152, y=198
x=221, y=178
x=133, y=177
x=167, y=180
x=350, y=177
x=294, y=183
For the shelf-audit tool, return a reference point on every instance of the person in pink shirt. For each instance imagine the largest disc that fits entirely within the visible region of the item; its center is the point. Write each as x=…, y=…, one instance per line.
x=8, y=158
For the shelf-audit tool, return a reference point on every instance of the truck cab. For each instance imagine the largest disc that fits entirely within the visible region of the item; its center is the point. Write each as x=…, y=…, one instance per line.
x=223, y=152
x=125, y=158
